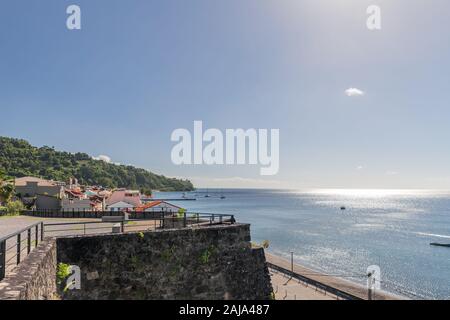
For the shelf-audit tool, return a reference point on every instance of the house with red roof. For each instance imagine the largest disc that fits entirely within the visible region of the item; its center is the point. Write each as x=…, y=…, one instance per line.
x=158, y=206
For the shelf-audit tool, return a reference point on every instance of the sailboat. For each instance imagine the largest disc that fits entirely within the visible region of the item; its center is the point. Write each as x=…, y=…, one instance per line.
x=207, y=194
x=222, y=196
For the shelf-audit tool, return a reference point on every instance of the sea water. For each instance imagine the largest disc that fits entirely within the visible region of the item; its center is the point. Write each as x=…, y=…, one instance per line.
x=389, y=228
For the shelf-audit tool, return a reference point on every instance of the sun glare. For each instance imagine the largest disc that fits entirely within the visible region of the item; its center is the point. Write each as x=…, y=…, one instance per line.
x=375, y=193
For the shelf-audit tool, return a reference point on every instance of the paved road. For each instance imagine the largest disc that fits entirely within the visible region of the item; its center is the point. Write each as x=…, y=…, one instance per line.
x=9, y=225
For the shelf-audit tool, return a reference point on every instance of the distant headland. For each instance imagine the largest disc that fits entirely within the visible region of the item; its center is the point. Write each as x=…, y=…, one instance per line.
x=18, y=158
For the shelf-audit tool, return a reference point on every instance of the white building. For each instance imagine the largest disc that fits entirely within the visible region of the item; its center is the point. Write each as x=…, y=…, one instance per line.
x=120, y=206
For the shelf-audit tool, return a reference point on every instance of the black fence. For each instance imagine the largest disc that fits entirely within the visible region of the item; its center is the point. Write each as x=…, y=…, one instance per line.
x=160, y=221
x=15, y=247
x=131, y=214
x=76, y=214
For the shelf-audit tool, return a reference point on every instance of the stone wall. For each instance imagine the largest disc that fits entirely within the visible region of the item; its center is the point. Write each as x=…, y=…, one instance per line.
x=35, y=277
x=203, y=263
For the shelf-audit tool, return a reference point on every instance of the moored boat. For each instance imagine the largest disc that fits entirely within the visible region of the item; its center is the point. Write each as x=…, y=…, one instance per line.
x=440, y=244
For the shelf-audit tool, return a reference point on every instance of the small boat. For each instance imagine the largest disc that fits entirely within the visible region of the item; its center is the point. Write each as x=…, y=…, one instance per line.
x=222, y=197
x=343, y=208
x=440, y=244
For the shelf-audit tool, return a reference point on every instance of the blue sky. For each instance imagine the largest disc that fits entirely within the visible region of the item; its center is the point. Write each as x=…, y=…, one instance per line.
x=140, y=69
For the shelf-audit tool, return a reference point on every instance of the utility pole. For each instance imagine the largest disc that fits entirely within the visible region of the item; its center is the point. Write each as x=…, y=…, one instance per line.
x=292, y=268
x=292, y=261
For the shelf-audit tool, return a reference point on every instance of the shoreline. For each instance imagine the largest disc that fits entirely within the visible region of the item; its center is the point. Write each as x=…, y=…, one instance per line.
x=347, y=286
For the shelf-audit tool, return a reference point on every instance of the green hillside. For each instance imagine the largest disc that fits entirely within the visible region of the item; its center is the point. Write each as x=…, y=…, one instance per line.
x=18, y=158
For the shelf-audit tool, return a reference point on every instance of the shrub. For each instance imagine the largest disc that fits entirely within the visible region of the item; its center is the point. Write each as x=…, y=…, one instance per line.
x=63, y=272
x=181, y=212
x=14, y=208
x=206, y=255
x=265, y=244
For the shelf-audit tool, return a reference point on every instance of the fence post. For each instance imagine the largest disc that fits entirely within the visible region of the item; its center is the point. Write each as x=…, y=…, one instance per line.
x=184, y=220
x=163, y=220
x=29, y=241
x=2, y=259
x=18, y=247
x=36, y=233
x=122, y=226
x=42, y=231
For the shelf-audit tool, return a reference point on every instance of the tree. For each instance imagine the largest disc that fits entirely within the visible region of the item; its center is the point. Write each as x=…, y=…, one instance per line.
x=6, y=188
x=18, y=158
x=146, y=192
x=14, y=207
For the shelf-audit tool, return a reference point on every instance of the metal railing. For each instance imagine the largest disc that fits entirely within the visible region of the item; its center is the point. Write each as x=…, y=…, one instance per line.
x=15, y=247
x=317, y=284
x=162, y=221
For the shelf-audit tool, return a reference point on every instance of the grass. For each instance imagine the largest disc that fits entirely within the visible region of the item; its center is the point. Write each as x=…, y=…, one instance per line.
x=9, y=216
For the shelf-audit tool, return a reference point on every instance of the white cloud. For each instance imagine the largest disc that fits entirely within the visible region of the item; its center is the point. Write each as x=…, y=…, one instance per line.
x=102, y=157
x=354, y=92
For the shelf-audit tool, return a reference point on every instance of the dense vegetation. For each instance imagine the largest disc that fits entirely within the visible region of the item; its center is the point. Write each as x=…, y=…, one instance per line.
x=7, y=206
x=18, y=159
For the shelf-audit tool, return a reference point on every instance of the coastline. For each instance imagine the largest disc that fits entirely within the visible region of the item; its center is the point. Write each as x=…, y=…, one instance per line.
x=350, y=287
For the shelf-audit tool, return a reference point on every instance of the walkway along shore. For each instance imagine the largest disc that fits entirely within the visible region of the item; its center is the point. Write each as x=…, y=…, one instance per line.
x=348, y=287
